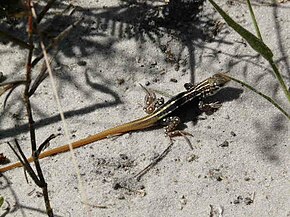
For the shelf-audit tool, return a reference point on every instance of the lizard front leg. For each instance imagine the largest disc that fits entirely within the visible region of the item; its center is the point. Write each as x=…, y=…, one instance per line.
x=209, y=108
x=151, y=102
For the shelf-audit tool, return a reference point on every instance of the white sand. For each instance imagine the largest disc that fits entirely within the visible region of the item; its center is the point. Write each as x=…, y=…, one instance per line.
x=254, y=166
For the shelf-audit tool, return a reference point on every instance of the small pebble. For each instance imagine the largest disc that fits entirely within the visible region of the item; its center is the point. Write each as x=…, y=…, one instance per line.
x=236, y=201
x=173, y=80
x=224, y=144
x=121, y=197
x=176, y=67
x=192, y=157
x=183, y=200
x=120, y=81
x=147, y=83
x=248, y=200
x=39, y=194
x=219, y=178
x=123, y=157
x=155, y=80
x=233, y=133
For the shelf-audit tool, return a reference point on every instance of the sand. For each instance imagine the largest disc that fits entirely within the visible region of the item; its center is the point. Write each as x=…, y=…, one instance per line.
x=239, y=165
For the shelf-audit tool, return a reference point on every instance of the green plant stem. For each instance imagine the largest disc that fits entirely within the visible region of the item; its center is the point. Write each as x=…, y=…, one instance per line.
x=280, y=79
x=252, y=40
x=254, y=20
x=256, y=43
x=273, y=65
x=261, y=94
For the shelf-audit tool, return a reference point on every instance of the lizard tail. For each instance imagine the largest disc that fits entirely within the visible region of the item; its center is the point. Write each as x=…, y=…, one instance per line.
x=141, y=123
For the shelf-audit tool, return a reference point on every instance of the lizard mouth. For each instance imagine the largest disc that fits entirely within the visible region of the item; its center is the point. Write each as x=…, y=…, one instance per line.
x=220, y=79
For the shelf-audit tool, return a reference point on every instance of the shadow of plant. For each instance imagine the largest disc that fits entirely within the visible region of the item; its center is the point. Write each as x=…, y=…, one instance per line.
x=103, y=27
x=268, y=142
x=140, y=20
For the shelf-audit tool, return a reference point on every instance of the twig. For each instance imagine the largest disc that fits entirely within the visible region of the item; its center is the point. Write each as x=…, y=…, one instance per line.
x=139, y=175
x=83, y=195
x=10, y=86
x=45, y=143
x=41, y=181
x=25, y=163
x=41, y=76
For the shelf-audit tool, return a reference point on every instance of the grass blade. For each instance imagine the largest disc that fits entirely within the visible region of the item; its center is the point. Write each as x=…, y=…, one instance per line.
x=254, y=20
x=269, y=99
x=253, y=41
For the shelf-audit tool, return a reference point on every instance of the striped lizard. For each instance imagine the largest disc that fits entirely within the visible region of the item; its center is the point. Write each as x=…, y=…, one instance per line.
x=158, y=113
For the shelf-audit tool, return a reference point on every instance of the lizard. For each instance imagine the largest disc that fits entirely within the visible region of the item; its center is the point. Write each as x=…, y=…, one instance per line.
x=158, y=112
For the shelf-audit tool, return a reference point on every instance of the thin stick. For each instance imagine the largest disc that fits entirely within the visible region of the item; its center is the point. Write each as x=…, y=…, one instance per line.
x=43, y=183
x=139, y=175
x=65, y=127
x=23, y=160
x=45, y=143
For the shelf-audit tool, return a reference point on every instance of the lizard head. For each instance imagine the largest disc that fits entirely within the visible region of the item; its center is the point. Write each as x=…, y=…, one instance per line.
x=213, y=84
x=219, y=80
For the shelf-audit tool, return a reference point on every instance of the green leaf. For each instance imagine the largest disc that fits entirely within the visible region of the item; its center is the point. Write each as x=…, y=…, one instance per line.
x=1, y=200
x=261, y=94
x=253, y=41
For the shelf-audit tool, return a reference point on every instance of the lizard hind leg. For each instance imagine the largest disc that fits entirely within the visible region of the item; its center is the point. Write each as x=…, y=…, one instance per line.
x=170, y=129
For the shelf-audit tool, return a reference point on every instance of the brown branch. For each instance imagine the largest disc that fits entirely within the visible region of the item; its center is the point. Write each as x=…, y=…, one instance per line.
x=31, y=27
x=28, y=82
x=22, y=158
x=45, y=144
x=40, y=77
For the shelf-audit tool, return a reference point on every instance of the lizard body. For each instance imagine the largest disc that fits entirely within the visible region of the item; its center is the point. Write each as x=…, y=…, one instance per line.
x=161, y=115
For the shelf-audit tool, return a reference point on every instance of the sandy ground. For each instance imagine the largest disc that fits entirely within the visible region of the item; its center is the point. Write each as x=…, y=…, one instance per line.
x=240, y=162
